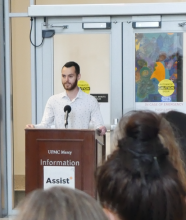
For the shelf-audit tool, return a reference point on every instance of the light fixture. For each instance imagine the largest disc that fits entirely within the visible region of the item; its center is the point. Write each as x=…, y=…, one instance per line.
x=98, y=25
x=147, y=24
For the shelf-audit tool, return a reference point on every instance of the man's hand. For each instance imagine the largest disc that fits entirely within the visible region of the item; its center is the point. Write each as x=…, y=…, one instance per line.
x=102, y=130
x=30, y=126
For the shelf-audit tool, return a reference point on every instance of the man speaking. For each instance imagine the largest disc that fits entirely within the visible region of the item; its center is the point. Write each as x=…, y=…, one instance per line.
x=72, y=107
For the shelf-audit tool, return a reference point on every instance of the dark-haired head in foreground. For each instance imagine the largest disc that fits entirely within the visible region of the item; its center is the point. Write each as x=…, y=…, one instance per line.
x=59, y=203
x=139, y=181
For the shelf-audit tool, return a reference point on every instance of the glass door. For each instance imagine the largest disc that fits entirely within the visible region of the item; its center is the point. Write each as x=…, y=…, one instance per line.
x=98, y=51
x=156, y=67
x=92, y=53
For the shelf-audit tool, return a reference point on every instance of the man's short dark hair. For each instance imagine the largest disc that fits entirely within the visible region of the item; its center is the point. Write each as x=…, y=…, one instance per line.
x=72, y=63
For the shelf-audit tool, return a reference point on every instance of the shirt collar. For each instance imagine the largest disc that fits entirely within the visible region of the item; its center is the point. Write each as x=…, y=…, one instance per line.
x=79, y=94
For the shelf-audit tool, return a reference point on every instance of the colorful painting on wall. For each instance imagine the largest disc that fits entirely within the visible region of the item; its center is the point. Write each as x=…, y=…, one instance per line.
x=158, y=67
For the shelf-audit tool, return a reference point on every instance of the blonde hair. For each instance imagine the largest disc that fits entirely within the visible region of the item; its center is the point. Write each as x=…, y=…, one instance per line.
x=167, y=138
x=59, y=203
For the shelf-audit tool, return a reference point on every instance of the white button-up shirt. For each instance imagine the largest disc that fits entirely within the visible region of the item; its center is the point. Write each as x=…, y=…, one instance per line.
x=84, y=108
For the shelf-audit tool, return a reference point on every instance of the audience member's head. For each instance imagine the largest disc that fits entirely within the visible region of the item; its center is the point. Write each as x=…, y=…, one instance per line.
x=141, y=180
x=165, y=134
x=59, y=203
x=178, y=123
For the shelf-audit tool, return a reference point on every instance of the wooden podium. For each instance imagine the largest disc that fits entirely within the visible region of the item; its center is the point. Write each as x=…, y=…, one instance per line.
x=50, y=147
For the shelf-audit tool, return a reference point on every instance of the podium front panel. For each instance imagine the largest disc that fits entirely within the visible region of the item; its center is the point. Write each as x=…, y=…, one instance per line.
x=56, y=147
x=61, y=153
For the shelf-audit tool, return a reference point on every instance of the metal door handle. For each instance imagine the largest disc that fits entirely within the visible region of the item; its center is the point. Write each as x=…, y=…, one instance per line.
x=60, y=26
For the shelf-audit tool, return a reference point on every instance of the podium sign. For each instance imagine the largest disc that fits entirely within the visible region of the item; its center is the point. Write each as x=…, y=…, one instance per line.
x=63, y=148
x=60, y=152
x=59, y=176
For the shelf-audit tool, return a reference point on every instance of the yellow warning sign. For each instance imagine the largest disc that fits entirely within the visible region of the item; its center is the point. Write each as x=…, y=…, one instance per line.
x=166, y=87
x=84, y=86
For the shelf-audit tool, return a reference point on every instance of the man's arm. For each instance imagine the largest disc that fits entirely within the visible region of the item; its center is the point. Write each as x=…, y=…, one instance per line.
x=102, y=130
x=30, y=126
x=48, y=117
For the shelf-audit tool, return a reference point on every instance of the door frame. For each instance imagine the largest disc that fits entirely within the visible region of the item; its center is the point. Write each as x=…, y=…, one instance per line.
x=43, y=82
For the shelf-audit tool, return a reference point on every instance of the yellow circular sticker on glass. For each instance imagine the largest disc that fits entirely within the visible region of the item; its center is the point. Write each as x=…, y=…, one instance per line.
x=166, y=87
x=84, y=86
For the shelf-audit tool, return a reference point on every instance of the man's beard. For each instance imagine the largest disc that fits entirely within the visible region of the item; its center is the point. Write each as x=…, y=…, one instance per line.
x=71, y=87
